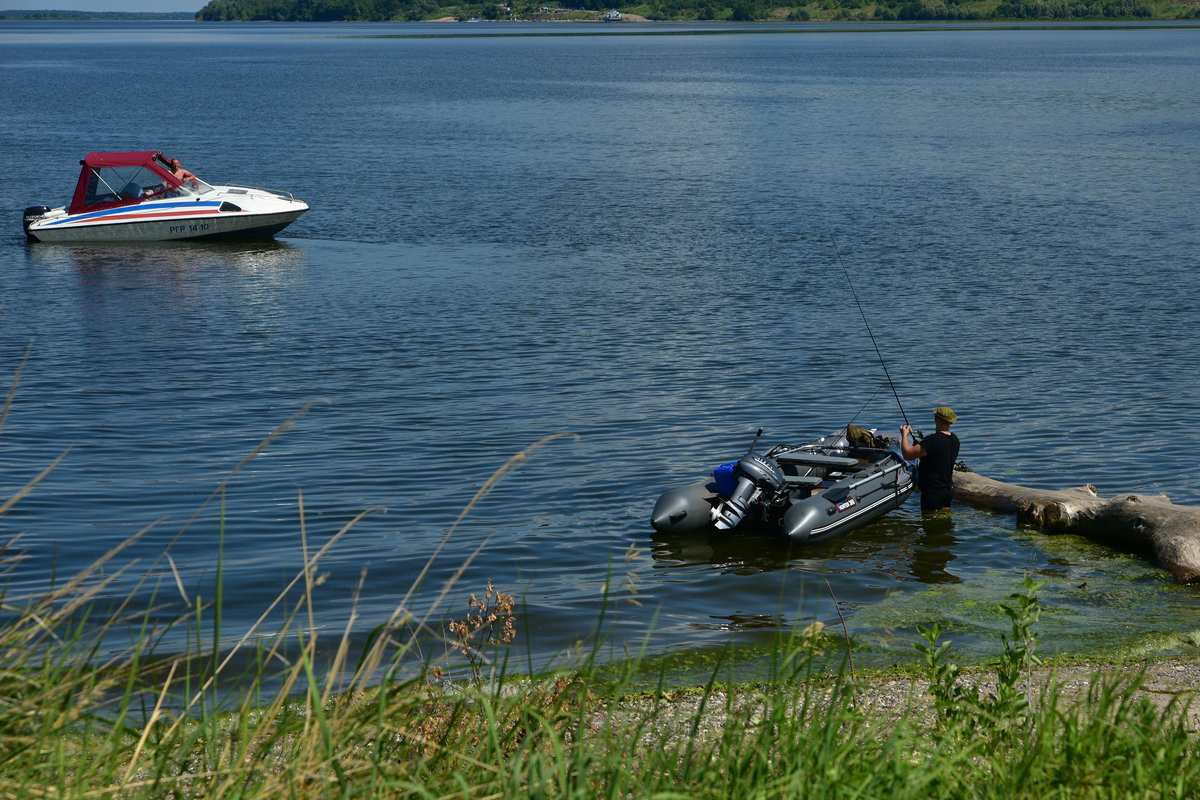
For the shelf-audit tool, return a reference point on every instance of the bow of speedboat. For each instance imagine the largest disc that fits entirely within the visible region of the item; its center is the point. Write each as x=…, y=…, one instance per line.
x=247, y=212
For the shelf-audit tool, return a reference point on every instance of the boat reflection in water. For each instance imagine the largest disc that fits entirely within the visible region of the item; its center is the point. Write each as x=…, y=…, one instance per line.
x=907, y=546
x=164, y=288
x=160, y=257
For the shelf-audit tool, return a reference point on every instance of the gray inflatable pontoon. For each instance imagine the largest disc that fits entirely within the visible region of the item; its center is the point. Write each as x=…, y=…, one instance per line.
x=810, y=493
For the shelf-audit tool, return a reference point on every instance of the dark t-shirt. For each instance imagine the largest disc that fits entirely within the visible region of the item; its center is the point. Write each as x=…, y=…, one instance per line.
x=935, y=476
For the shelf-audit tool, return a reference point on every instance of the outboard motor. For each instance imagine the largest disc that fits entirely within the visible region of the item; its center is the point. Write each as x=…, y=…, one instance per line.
x=755, y=474
x=32, y=214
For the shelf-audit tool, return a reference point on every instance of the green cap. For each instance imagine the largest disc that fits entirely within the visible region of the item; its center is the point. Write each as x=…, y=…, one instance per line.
x=941, y=412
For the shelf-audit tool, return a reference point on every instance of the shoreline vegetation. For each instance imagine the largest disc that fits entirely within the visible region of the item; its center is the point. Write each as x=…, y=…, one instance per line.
x=1007, y=11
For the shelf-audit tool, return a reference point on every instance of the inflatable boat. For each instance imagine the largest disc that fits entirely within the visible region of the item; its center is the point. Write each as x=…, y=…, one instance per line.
x=809, y=493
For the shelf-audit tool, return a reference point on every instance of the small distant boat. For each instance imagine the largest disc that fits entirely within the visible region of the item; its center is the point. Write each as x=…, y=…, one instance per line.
x=612, y=16
x=809, y=493
x=135, y=196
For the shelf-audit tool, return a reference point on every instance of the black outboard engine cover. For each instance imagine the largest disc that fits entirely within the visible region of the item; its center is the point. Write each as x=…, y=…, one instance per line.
x=31, y=214
x=756, y=474
x=760, y=469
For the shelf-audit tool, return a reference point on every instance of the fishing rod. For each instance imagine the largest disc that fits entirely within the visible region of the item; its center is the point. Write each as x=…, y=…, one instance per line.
x=874, y=394
x=870, y=333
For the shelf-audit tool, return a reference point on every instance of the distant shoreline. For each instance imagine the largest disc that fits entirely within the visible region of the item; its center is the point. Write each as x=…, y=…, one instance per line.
x=84, y=16
x=117, y=16
x=741, y=12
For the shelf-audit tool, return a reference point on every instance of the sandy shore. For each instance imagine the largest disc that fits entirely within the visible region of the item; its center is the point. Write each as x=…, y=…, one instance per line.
x=1167, y=680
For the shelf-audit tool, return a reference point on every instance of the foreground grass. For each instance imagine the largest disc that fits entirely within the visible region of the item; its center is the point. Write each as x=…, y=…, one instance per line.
x=72, y=726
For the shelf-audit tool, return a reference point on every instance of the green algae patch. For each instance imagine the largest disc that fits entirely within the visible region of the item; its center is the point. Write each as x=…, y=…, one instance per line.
x=1086, y=596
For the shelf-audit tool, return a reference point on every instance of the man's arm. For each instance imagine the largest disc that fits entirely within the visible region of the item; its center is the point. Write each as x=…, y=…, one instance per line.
x=910, y=450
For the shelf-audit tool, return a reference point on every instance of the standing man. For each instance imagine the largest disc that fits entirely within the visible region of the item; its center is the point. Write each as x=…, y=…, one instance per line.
x=935, y=474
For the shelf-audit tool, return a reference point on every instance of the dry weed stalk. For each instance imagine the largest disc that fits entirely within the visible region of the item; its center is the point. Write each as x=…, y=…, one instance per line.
x=490, y=622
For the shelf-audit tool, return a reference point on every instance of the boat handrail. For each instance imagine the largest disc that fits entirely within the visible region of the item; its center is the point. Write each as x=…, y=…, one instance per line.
x=276, y=192
x=871, y=474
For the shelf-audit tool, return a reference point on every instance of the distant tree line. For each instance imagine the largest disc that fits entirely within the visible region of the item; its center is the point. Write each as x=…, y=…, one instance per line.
x=732, y=10
x=1060, y=9
x=320, y=10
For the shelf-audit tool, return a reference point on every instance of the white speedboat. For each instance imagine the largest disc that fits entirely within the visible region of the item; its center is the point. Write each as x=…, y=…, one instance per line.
x=135, y=197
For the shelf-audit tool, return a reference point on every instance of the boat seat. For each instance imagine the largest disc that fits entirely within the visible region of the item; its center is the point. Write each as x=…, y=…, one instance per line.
x=806, y=459
x=802, y=481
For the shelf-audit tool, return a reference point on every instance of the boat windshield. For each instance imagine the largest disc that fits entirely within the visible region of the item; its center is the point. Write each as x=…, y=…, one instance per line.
x=115, y=184
x=197, y=187
x=186, y=189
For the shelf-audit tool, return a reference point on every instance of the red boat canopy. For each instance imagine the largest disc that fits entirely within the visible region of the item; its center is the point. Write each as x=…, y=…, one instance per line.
x=108, y=180
x=136, y=159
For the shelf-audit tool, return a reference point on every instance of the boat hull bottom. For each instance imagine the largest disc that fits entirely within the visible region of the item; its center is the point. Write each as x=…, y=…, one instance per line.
x=243, y=227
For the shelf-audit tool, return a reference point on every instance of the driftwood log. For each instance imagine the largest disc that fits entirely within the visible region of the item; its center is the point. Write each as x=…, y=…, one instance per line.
x=1136, y=522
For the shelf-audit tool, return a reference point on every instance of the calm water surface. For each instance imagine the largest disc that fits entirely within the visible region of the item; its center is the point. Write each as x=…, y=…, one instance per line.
x=630, y=238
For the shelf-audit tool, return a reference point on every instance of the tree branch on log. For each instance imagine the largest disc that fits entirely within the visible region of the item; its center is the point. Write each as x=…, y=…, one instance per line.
x=1130, y=521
